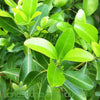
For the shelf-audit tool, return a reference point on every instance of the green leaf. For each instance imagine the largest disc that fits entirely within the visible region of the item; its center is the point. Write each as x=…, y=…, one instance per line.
x=75, y=92
x=90, y=6
x=26, y=67
x=37, y=13
x=39, y=89
x=44, y=10
x=19, y=17
x=78, y=55
x=11, y=3
x=59, y=16
x=80, y=17
x=3, y=42
x=5, y=14
x=79, y=79
x=65, y=43
x=96, y=49
x=29, y=7
x=63, y=26
x=86, y=31
x=43, y=46
x=55, y=75
x=9, y=25
x=34, y=77
x=97, y=65
x=12, y=73
x=52, y=94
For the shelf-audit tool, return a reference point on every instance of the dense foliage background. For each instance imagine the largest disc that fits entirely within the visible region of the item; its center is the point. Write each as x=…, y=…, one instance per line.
x=49, y=49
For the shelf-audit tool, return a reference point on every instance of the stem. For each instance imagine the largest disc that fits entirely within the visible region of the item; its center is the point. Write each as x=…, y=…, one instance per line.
x=75, y=68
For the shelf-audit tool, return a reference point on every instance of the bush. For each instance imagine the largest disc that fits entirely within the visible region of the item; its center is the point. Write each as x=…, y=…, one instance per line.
x=50, y=50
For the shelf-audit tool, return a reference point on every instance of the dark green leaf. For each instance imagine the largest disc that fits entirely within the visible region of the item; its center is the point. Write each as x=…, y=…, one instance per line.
x=9, y=25
x=75, y=92
x=26, y=67
x=79, y=79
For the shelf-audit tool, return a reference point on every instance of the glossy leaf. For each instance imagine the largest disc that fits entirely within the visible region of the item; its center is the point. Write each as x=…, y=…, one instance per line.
x=96, y=48
x=63, y=26
x=79, y=79
x=90, y=6
x=65, y=43
x=26, y=67
x=11, y=3
x=55, y=75
x=80, y=17
x=41, y=45
x=78, y=55
x=86, y=31
x=12, y=73
x=75, y=92
x=52, y=94
x=44, y=12
x=9, y=25
x=3, y=42
x=29, y=7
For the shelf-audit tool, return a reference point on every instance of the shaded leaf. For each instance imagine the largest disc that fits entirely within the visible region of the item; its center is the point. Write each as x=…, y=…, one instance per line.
x=26, y=67
x=79, y=79
x=9, y=25
x=75, y=92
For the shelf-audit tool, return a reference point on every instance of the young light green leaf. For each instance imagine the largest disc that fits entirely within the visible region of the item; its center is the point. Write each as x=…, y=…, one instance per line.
x=9, y=25
x=12, y=73
x=65, y=43
x=29, y=7
x=5, y=14
x=52, y=93
x=3, y=42
x=11, y=3
x=75, y=92
x=37, y=13
x=55, y=75
x=90, y=6
x=80, y=17
x=59, y=16
x=27, y=67
x=96, y=48
x=78, y=55
x=44, y=10
x=79, y=79
x=43, y=46
x=86, y=31
x=63, y=26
